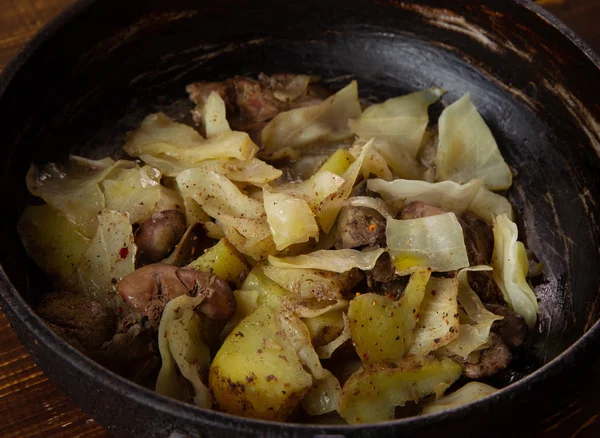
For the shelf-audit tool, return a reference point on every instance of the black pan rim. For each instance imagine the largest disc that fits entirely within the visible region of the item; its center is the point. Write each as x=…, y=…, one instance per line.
x=15, y=305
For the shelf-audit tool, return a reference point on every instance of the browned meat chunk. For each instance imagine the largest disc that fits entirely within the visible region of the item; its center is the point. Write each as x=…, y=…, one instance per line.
x=251, y=103
x=418, y=209
x=383, y=272
x=84, y=323
x=150, y=288
x=359, y=226
x=478, y=238
x=492, y=359
x=157, y=236
x=512, y=329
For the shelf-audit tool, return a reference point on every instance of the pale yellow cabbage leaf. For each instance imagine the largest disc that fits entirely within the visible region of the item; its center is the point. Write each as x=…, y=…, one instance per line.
x=510, y=264
x=400, y=121
x=475, y=320
x=290, y=219
x=467, y=149
x=438, y=318
x=435, y=242
x=335, y=260
x=161, y=137
x=325, y=122
x=109, y=258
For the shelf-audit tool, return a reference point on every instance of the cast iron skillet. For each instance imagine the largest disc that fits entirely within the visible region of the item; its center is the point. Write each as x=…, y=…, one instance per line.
x=101, y=66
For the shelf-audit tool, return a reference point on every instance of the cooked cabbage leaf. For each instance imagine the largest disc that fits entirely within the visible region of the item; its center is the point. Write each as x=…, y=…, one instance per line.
x=109, y=257
x=330, y=206
x=400, y=161
x=325, y=351
x=184, y=354
x=337, y=260
x=475, y=320
x=469, y=393
x=467, y=149
x=373, y=392
x=434, y=242
x=311, y=283
x=382, y=328
x=400, y=121
x=510, y=264
x=74, y=189
x=487, y=205
x=447, y=194
x=315, y=189
x=160, y=137
x=252, y=171
x=438, y=317
x=213, y=115
x=291, y=220
x=377, y=204
x=243, y=219
x=325, y=122
x=51, y=240
x=133, y=191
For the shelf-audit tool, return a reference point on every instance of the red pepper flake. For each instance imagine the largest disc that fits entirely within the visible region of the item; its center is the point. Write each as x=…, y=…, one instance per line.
x=165, y=334
x=123, y=253
x=372, y=227
x=365, y=355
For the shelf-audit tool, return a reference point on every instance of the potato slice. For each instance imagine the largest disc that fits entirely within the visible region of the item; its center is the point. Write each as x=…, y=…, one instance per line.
x=382, y=328
x=223, y=260
x=373, y=392
x=257, y=372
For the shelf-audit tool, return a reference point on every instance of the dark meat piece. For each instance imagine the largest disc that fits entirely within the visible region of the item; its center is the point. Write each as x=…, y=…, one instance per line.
x=418, y=209
x=199, y=92
x=191, y=246
x=394, y=289
x=150, y=288
x=250, y=104
x=82, y=322
x=255, y=101
x=133, y=350
x=478, y=238
x=157, y=236
x=359, y=226
x=492, y=359
x=512, y=329
x=485, y=287
x=383, y=272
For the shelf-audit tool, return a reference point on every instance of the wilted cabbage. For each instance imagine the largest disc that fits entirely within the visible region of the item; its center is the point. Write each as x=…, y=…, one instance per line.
x=400, y=121
x=467, y=149
x=510, y=270
x=434, y=242
x=327, y=121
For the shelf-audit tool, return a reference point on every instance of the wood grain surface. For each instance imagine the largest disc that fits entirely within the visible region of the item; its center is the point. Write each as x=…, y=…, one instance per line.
x=30, y=405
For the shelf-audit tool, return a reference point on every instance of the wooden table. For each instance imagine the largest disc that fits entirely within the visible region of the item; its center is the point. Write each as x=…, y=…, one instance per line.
x=30, y=405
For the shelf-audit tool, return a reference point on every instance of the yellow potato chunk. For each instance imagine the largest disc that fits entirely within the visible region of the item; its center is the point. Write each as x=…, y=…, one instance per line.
x=373, y=392
x=223, y=260
x=382, y=328
x=257, y=372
